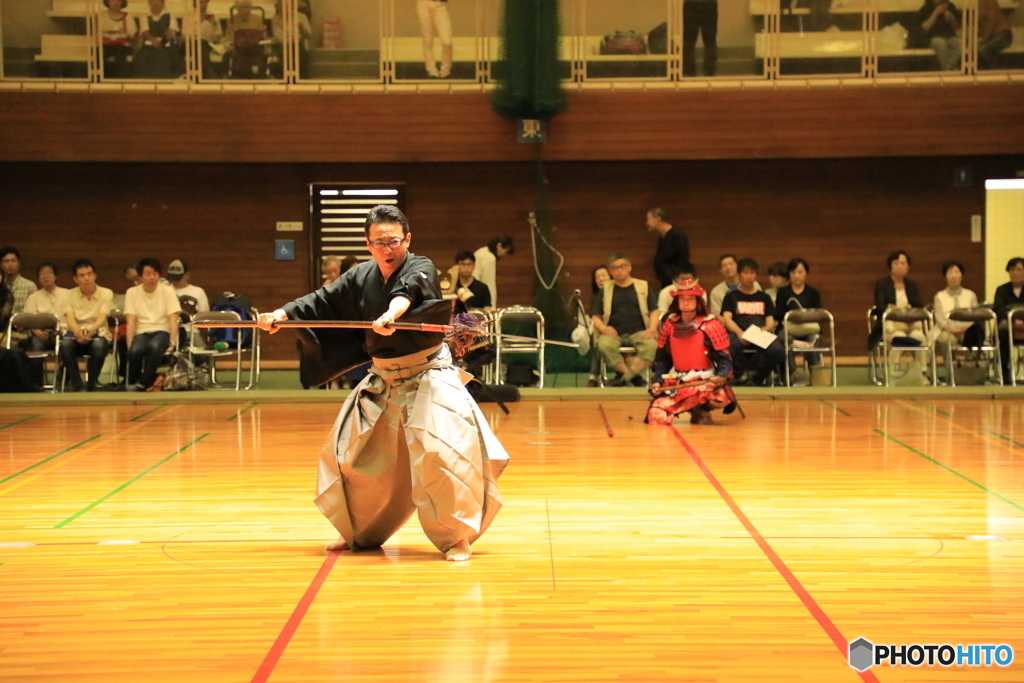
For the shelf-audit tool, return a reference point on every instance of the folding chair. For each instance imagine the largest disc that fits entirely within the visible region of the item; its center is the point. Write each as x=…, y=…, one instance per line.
x=213, y=354
x=874, y=351
x=115, y=321
x=909, y=316
x=39, y=321
x=521, y=315
x=1016, y=350
x=625, y=351
x=803, y=317
x=986, y=317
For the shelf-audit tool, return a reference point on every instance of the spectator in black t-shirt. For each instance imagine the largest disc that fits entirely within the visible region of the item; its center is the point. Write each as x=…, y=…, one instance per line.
x=742, y=308
x=471, y=292
x=625, y=313
x=1010, y=295
x=673, y=246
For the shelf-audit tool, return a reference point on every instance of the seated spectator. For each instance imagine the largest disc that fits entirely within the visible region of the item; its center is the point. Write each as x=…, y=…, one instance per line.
x=158, y=55
x=896, y=290
x=692, y=363
x=49, y=298
x=330, y=270
x=1009, y=296
x=152, y=313
x=118, y=31
x=206, y=25
x=278, y=35
x=20, y=287
x=598, y=277
x=743, y=307
x=994, y=33
x=486, y=270
x=798, y=295
x=727, y=265
x=625, y=313
x=940, y=23
x=86, y=309
x=179, y=276
x=6, y=308
x=778, y=277
x=686, y=273
x=348, y=262
x=246, y=31
x=954, y=296
x=471, y=292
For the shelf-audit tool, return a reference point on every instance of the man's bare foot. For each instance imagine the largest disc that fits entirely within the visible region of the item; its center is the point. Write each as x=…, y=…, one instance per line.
x=459, y=552
x=338, y=545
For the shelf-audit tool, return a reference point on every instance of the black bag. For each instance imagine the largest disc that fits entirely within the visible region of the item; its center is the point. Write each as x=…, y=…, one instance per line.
x=657, y=39
x=15, y=375
x=917, y=38
x=521, y=375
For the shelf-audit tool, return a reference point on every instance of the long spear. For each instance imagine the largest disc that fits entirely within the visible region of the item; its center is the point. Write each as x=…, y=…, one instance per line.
x=365, y=325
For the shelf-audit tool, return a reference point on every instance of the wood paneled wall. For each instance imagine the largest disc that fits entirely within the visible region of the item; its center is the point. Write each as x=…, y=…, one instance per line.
x=769, y=122
x=843, y=216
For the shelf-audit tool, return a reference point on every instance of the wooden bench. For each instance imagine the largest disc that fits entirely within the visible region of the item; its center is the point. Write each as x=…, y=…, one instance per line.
x=761, y=7
x=834, y=44
x=179, y=8
x=830, y=45
x=58, y=48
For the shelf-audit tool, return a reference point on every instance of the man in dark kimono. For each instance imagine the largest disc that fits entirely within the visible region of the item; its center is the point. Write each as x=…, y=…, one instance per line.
x=409, y=438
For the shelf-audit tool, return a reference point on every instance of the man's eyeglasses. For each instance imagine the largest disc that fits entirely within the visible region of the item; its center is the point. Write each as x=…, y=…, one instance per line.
x=390, y=243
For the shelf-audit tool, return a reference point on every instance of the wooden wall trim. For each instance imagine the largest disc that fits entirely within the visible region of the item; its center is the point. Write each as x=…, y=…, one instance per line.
x=734, y=124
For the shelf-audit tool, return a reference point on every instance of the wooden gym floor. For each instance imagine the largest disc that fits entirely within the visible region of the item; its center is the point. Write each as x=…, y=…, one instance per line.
x=180, y=543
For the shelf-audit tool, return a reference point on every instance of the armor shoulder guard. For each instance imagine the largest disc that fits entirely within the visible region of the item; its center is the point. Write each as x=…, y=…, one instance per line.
x=716, y=332
x=665, y=333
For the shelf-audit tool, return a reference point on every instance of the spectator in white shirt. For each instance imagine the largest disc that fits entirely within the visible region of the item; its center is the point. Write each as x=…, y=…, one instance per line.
x=178, y=274
x=952, y=297
x=152, y=314
x=486, y=269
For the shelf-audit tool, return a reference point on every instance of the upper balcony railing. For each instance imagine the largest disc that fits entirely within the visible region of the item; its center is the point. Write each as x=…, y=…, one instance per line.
x=368, y=45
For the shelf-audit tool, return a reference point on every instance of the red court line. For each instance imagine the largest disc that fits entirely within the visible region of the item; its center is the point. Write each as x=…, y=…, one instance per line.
x=278, y=648
x=607, y=426
x=826, y=624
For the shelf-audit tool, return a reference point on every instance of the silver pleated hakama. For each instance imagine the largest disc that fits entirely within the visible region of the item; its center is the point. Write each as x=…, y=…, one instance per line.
x=411, y=438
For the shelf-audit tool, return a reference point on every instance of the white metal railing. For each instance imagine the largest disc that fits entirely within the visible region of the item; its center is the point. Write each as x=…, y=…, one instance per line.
x=786, y=44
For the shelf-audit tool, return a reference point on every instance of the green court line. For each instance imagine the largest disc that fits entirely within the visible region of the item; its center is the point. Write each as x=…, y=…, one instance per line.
x=46, y=460
x=127, y=484
x=30, y=417
x=950, y=469
x=244, y=410
x=137, y=417
x=950, y=417
x=835, y=408
x=1005, y=438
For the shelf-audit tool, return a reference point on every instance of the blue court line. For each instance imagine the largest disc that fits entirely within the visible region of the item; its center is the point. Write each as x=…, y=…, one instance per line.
x=90, y=506
x=46, y=460
x=950, y=469
x=30, y=417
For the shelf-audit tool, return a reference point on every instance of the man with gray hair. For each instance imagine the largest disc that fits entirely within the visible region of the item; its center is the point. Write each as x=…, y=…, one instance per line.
x=625, y=313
